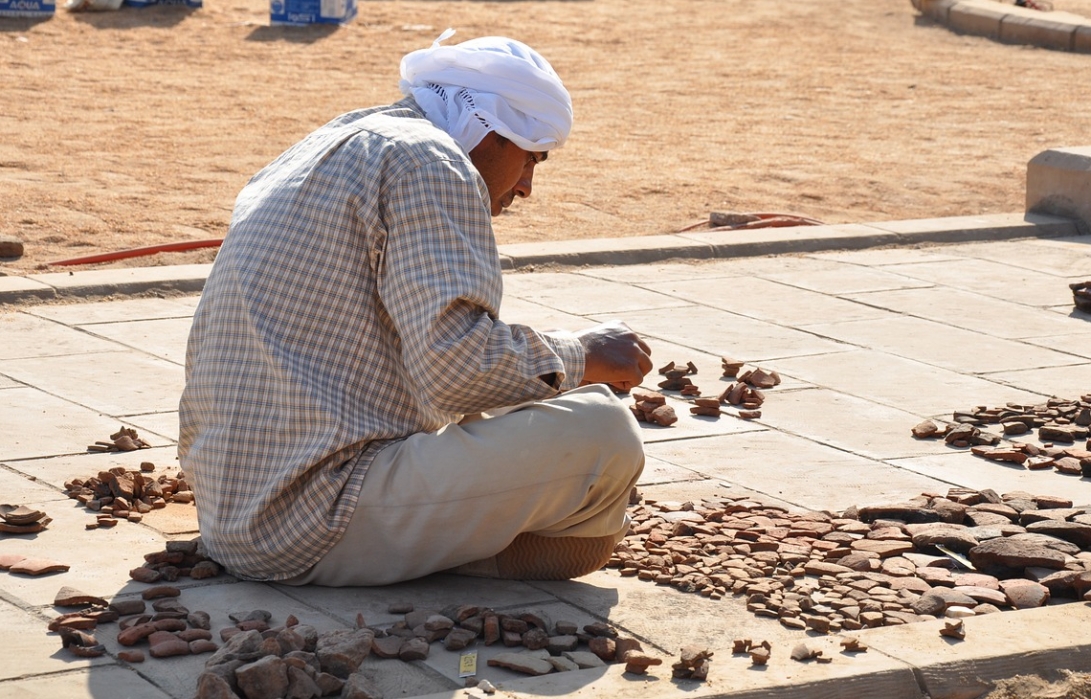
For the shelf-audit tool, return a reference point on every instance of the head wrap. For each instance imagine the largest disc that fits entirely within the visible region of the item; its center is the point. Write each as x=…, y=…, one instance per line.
x=489, y=84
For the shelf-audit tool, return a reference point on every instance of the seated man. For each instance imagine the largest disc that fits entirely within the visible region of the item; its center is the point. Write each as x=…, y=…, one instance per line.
x=355, y=411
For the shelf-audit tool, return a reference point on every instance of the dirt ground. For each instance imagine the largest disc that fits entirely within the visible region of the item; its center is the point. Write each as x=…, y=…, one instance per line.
x=139, y=127
x=1073, y=685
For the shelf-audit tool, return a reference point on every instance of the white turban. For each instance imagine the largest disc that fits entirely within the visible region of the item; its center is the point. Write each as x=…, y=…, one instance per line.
x=489, y=84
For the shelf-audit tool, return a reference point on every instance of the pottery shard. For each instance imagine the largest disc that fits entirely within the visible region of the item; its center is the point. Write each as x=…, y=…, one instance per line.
x=131, y=656
x=664, y=415
x=71, y=597
x=1024, y=594
x=360, y=686
x=458, y=639
x=39, y=566
x=170, y=648
x=389, y=646
x=526, y=663
x=885, y=549
x=413, y=649
x=953, y=536
x=267, y=677
x=937, y=600
x=342, y=651
x=562, y=643
x=1079, y=534
x=822, y=568
x=584, y=659
x=903, y=512
x=1011, y=553
x=982, y=595
x=300, y=685
x=638, y=662
x=160, y=591
x=7, y=560
x=926, y=430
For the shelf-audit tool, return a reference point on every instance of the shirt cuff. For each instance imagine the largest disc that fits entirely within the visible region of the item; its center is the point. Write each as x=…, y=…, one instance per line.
x=570, y=350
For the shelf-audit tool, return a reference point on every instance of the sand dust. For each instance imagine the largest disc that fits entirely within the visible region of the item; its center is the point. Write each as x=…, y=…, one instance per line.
x=139, y=127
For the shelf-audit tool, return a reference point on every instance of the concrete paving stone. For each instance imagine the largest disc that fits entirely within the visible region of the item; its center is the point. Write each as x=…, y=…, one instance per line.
x=882, y=257
x=670, y=619
x=1063, y=258
x=982, y=227
x=1078, y=343
x=18, y=488
x=726, y=334
x=847, y=280
x=770, y=301
x=100, y=559
x=129, y=280
x=793, y=469
x=113, y=311
x=445, y=662
x=846, y=422
x=942, y=345
x=709, y=269
x=164, y=425
x=39, y=652
x=696, y=490
x=960, y=467
x=431, y=592
x=6, y=382
x=541, y=318
x=125, y=382
x=995, y=279
x=656, y=471
x=737, y=680
x=997, y=646
x=38, y=424
x=792, y=239
x=106, y=682
x=395, y=678
x=964, y=309
x=15, y=289
x=162, y=337
x=901, y=383
x=179, y=674
x=574, y=293
x=1070, y=311
x=27, y=336
x=1054, y=381
x=669, y=270
x=605, y=251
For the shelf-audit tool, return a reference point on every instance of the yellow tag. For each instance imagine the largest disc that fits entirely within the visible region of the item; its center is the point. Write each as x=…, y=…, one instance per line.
x=467, y=664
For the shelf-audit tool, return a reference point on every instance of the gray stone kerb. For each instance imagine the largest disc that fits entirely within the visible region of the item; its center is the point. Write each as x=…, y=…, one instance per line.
x=709, y=244
x=1011, y=24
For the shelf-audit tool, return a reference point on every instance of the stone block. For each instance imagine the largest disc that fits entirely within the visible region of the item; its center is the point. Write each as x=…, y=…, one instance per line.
x=977, y=19
x=1037, y=31
x=935, y=9
x=1059, y=183
x=1081, y=40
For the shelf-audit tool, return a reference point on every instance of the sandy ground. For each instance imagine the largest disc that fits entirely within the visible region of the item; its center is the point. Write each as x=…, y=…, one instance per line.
x=139, y=127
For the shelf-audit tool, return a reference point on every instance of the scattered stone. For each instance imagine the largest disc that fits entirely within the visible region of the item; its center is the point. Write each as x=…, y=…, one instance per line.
x=528, y=663
x=38, y=566
x=954, y=629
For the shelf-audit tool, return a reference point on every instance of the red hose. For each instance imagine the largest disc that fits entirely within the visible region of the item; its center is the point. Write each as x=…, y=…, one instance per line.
x=141, y=252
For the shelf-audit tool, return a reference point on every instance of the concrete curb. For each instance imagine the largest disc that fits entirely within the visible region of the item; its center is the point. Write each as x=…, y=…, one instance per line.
x=1010, y=24
x=713, y=244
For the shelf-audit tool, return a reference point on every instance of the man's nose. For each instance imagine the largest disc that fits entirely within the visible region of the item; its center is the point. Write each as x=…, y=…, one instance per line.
x=526, y=182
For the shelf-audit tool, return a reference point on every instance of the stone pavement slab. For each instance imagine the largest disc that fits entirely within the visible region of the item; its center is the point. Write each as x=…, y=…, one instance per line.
x=862, y=338
x=38, y=653
x=900, y=383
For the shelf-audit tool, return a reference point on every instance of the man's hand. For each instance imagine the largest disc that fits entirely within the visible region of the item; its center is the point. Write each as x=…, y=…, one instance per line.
x=616, y=356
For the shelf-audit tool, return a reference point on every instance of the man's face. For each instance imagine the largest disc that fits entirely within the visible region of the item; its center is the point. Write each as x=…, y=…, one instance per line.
x=507, y=169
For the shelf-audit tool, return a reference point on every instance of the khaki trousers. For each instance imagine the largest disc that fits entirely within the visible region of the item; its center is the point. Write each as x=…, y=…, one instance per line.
x=557, y=467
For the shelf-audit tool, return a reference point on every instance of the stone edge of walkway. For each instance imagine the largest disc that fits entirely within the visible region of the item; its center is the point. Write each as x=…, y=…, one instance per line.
x=1010, y=24
x=903, y=662
x=694, y=245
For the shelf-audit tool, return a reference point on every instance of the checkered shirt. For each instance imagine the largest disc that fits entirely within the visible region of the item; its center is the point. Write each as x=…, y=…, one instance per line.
x=355, y=301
